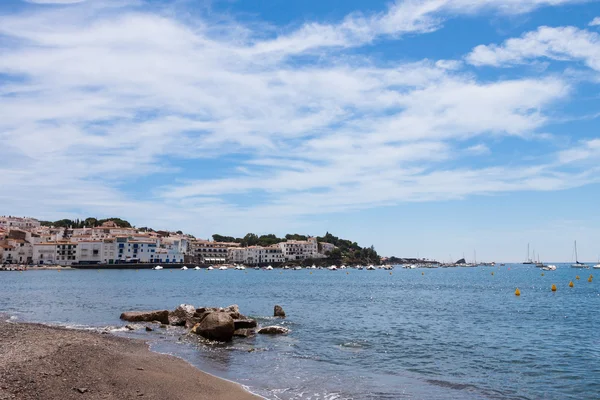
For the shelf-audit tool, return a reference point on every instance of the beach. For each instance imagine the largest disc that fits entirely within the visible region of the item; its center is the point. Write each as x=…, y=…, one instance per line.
x=42, y=362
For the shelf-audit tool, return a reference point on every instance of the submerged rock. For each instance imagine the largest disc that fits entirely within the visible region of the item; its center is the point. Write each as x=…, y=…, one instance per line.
x=181, y=314
x=278, y=312
x=146, y=316
x=244, y=332
x=217, y=326
x=273, y=330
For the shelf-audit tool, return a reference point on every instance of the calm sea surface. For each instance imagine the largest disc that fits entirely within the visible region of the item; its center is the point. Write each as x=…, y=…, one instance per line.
x=457, y=333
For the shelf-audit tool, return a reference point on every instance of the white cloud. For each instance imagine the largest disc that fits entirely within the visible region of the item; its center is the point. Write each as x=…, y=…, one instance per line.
x=562, y=43
x=55, y=1
x=586, y=151
x=401, y=18
x=595, y=22
x=478, y=149
x=97, y=99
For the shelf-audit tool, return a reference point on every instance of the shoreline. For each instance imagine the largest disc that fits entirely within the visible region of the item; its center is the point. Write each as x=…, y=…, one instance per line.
x=42, y=361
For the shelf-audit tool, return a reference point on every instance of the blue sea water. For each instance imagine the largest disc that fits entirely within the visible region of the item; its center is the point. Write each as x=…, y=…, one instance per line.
x=457, y=333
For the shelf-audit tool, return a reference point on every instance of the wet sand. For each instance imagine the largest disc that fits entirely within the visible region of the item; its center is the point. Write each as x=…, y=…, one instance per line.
x=41, y=362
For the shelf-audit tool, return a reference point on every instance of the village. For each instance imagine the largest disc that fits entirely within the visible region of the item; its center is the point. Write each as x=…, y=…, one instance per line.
x=25, y=241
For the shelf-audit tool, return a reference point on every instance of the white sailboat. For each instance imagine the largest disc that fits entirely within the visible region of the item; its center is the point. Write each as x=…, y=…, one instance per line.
x=577, y=263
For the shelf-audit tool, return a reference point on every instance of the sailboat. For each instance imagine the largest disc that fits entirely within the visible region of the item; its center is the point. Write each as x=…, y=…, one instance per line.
x=577, y=263
x=528, y=260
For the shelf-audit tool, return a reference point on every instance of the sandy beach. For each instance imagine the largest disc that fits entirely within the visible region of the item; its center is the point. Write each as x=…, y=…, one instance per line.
x=41, y=362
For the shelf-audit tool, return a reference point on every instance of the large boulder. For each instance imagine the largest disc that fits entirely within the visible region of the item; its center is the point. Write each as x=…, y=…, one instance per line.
x=217, y=326
x=278, y=312
x=273, y=330
x=146, y=316
x=244, y=323
x=181, y=314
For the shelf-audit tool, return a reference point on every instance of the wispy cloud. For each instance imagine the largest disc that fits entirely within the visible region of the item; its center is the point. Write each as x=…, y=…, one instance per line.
x=561, y=43
x=95, y=99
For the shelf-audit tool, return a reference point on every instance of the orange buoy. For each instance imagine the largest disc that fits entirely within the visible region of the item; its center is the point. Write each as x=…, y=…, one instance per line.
x=542, y=274
x=553, y=287
x=517, y=292
x=492, y=273
x=590, y=279
x=577, y=277
x=571, y=284
x=422, y=273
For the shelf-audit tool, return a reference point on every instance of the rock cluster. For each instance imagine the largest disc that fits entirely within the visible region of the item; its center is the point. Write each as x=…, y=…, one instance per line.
x=212, y=323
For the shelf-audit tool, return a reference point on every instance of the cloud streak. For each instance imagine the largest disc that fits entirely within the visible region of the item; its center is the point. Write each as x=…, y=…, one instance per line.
x=127, y=103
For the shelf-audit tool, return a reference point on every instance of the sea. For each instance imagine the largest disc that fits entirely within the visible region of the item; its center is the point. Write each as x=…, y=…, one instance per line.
x=455, y=333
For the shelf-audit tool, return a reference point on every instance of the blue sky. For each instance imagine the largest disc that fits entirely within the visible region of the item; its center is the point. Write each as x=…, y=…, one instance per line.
x=427, y=128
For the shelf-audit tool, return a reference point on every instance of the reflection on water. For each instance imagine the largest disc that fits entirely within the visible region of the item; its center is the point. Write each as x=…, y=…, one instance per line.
x=449, y=334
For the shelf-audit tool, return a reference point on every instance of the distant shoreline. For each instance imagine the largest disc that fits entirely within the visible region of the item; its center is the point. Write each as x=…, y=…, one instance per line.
x=71, y=363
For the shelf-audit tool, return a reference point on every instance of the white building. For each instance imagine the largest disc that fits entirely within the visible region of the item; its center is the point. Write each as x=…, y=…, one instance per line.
x=16, y=251
x=300, y=249
x=261, y=255
x=236, y=255
x=128, y=249
x=206, y=251
x=20, y=223
x=62, y=253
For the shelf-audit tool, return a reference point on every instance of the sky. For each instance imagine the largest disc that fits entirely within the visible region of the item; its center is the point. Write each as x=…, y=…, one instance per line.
x=429, y=128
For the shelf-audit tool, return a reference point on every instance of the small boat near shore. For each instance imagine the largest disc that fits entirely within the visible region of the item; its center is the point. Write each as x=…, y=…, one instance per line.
x=549, y=267
x=184, y=268
x=157, y=268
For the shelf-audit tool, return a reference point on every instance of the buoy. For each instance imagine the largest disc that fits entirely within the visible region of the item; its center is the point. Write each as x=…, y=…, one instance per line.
x=517, y=292
x=577, y=277
x=542, y=274
x=553, y=287
x=422, y=273
x=348, y=273
x=492, y=273
x=571, y=284
x=311, y=272
x=590, y=279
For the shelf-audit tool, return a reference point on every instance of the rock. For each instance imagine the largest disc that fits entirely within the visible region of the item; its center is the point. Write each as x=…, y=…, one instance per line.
x=181, y=314
x=217, y=326
x=278, y=312
x=189, y=324
x=148, y=329
x=201, y=313
x=146, y=316
x=233, y=311
x=244, y=332
x=131, y=328
x=245, y=323
x=273, y=330
x=81, y=390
